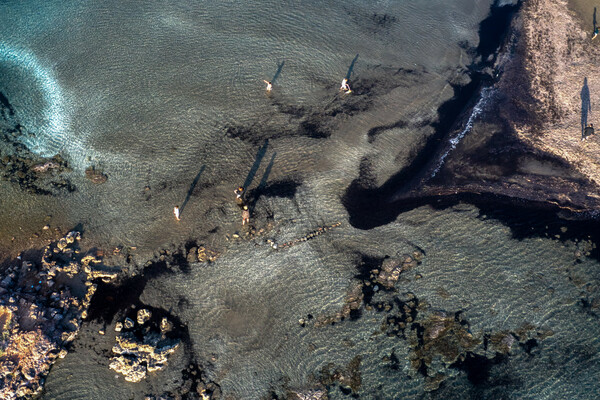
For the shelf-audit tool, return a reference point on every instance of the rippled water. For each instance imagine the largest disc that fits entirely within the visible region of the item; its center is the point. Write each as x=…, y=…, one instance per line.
x=151, y=93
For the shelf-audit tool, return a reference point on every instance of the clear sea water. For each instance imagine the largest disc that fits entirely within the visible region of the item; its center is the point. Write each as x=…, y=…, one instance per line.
x=146, y=91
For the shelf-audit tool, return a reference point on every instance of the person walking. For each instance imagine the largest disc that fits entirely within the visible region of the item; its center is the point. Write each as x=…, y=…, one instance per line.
x=269, y=85
x=176, y=212
x=345, y=87
x=245, y=215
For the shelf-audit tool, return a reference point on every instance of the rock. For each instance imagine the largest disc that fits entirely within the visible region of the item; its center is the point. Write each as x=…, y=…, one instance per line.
x=134, y=359
x=128, y=323
x=95, y=176
x=43, y=167
x=143, y=316
x=165, y=325
x=206, y=255
x=309, y=394
x=192, y=255
x=62, y=244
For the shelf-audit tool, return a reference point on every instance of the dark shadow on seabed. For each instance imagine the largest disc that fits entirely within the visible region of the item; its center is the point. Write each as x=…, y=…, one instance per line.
x=259, y=156
x=262, y=184
x=279, y=68
x=351, y=67
x=594, y=22
x=191, y=189
x=586, y=105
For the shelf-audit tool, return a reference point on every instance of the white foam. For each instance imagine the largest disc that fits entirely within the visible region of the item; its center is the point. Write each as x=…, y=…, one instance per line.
x=49, y=128
x=484, y=98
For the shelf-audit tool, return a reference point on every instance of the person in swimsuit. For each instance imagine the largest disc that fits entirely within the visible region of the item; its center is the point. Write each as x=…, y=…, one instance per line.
x=176, y=212
x=269, y=85
x=345, y=87
x=245, y=215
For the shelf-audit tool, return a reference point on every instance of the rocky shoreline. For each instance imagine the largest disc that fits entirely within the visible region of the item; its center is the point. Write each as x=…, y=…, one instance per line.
x=42, y=304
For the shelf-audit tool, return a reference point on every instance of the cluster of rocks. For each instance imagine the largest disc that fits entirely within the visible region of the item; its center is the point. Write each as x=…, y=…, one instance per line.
x=39, y=176
x=391, y=268
x=42, y=304
x=311, y=235
x=386, y=275
x=348, y=378
x=201, y=254
x=441, y=341
x=134, y=357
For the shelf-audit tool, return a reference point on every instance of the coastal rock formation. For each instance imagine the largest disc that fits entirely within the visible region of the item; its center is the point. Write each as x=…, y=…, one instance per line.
x=442, y=343
x=42, y=304
x=134, y=357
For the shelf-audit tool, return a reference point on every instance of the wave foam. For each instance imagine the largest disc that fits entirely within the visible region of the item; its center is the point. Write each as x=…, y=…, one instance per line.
x=49, y=126
x=484, y=98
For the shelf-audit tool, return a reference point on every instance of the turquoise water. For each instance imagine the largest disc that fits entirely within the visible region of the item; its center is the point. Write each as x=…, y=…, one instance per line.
x=154, y=93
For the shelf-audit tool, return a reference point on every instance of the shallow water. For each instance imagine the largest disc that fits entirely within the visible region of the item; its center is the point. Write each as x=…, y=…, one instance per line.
x=151, y=93
x=147, y=92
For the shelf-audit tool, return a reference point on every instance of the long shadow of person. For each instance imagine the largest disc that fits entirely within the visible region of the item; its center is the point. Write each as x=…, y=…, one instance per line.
x=351, y=67
x=259, y=156
x=263, y=183
x=586, y=105
x=191, y=189
x=595, y=24
x=279, y=68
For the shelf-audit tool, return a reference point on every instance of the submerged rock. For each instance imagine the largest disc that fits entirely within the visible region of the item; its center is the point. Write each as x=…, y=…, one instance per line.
x=391, y=268
x=95, y=176
x=348, y=378
x=308, y=394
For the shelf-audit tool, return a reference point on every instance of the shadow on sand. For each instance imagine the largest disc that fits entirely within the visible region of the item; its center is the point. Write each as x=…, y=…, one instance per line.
x=586, y=105
x=191, y=189
x=259, y=156
x=263, y=183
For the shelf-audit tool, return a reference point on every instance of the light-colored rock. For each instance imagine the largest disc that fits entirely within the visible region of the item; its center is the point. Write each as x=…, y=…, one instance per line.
x=143, y=316
x=135, y=359
x=41, y=314
x=128, y=323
